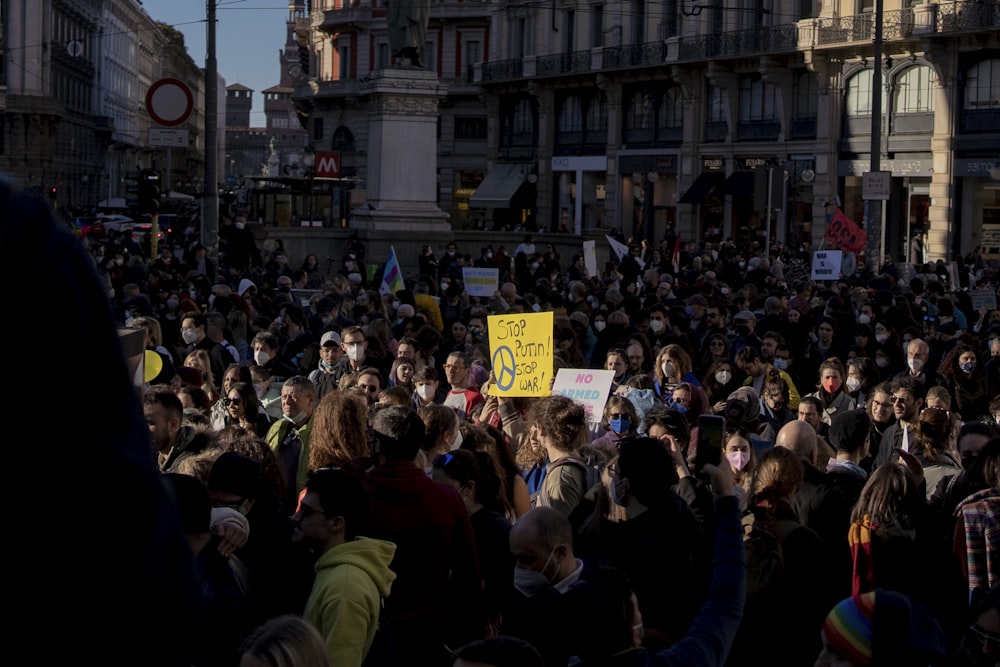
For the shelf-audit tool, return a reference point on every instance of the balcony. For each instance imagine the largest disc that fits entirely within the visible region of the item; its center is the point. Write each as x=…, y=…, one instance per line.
x=923, y=19
x=503, y=70
x=969, y=16
x=563, y=63
x=740, y=43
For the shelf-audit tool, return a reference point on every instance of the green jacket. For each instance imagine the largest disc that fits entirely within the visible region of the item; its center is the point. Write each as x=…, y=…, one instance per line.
x=352, y=580
x=276, y=434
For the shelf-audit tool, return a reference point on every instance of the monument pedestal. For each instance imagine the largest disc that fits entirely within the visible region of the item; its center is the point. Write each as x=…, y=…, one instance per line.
x=401, y=187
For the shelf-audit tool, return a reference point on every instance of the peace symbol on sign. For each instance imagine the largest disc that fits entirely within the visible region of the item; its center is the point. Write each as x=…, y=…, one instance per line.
x=504, y=368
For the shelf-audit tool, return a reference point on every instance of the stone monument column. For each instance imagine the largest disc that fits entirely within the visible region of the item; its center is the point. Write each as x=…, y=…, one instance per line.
x=401, y=188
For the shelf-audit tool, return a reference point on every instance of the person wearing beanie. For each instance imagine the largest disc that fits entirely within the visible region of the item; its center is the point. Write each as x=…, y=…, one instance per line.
x=881, y=627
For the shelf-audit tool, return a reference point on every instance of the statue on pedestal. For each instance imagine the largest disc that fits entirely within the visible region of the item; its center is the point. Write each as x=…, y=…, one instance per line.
x=407, y=21
x=273, y=161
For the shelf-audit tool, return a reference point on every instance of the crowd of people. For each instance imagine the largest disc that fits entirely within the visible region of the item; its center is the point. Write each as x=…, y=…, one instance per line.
x=352, y=490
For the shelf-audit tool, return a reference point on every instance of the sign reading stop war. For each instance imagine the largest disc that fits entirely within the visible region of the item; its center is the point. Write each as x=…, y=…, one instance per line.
x=844, y=234
x=521, y=351
x=590, y=388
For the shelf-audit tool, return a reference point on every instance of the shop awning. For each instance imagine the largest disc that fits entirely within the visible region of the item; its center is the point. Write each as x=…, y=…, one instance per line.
x=739, y=184
x=500, y=184
x=704, y=184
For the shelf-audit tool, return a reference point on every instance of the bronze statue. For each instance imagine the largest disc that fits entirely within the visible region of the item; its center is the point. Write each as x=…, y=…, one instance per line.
x=407, y=21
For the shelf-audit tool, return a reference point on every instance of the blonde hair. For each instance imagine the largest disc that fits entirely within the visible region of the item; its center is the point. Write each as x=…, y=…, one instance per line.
x=287, y=641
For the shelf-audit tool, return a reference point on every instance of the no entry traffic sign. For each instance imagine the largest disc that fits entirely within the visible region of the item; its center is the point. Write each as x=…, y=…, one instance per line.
x=169, y=102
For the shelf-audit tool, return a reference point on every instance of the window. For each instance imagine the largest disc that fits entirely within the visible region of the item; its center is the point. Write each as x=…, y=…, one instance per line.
x=571, y=115
x=569, y=31
x=982, y=85
x=597, y=113
x=640, y=112
x=597, y=26
x=671, y=108
x=758, y=99
x=639, y=21
x=520, y=38
x=915, y=90
x=382, y=56
x=470, y=127
x=343, y=140
x=318, y=128
x=522, y=120
x=429, y=56
x=345, y=63
x=716, y=105
x=473, y=53
x=859, y=94
x=805, y=96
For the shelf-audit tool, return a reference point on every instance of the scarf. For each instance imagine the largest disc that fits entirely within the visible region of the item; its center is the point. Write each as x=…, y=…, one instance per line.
x=859, y=537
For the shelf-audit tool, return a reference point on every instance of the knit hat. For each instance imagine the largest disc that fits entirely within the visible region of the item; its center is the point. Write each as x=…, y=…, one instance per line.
x=850, y=627
x=849, y=430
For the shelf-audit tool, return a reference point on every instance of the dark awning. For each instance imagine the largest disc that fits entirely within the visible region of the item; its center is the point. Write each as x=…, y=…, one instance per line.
x=500, y=184
x=739, y=184
x=704, y=184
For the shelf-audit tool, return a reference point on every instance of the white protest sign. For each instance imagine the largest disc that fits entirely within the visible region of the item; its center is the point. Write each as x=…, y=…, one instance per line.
x=826, y=264
x=590, y=258
x=590, y=388
x=480, y=282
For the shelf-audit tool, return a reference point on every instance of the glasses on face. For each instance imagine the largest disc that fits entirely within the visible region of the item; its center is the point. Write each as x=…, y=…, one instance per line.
x=680, y=400
x=899, y=400
x=306, y=511
x=230, y=401
x=449, y=367
x=370, y=388
x=716, y=343
x=879, y=405
x=617, y=415
x=935, y=407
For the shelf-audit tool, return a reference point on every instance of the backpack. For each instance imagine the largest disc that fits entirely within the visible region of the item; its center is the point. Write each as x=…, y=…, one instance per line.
x=765, y=560
x=592, y=470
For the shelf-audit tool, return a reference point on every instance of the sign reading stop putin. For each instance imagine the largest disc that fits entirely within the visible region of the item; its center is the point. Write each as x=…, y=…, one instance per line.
x=169, y=102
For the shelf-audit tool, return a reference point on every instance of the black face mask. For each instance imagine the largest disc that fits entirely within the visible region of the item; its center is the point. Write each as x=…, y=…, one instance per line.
x=968, y=460
x=742, y=331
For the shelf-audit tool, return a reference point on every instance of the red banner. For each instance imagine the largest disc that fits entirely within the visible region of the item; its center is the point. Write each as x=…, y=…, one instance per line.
x=843, y=233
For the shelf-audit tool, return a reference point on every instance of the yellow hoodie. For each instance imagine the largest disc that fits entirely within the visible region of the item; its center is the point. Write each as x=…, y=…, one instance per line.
x=352, y=579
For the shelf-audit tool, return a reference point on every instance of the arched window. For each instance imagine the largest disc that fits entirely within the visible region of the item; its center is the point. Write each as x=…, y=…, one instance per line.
x=640, y=111
x=522, y=121
x=758, y=100
x=915, y=90
x=671, y=113
x=343, y=140
x=982, y=86
x=571, y=115
x=716, y=105
x=597, y=113
x=858, y=101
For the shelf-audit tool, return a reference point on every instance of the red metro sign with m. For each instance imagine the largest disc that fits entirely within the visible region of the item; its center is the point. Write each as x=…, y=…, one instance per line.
x=328, y=165
x=843, y=233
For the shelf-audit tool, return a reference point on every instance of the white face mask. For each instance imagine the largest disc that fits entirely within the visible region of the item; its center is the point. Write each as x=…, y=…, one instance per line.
x=656, y=326
x=864, y=319
x=723, y=377
x=457, y=442
x=667, y=368
x=853, y=384
x=355, y=352
x=531, y=582
x=262, y=357
x=599, y=325
x=881, y=362
x=881, y=338
x=915, y=364
x=189, y=336
x=738, y=460
x=425, y=391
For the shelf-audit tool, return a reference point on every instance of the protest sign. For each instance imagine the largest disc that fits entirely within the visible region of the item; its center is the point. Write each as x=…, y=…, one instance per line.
x=521, y=352
x=480, y=282
x=590, y=388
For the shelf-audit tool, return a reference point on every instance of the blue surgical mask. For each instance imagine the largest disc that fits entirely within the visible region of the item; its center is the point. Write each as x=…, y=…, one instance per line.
x=620, y=424
x=780, y=364
x=678, y=407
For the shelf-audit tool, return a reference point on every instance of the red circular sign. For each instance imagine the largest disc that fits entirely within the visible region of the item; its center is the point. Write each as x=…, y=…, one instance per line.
x=169, y=102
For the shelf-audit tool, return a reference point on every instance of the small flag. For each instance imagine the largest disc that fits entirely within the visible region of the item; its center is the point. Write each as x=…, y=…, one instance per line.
x=619, y=248
x=392, y=277
x=677, y=255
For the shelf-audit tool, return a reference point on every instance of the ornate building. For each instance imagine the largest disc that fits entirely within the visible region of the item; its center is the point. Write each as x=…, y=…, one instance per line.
x=650, y=116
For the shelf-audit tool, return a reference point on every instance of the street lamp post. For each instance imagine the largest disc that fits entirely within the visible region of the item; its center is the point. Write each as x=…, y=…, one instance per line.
x=874, y=208
x=309, y=161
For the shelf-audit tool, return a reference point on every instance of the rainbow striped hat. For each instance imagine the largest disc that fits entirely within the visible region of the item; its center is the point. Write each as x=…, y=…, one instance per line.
x=849, y=626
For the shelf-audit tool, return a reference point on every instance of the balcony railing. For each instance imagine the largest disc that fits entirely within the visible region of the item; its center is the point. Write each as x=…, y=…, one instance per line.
x=964, y=16
x=737, y=43
x=563, y=63
x=635, y=55
x=503, y=70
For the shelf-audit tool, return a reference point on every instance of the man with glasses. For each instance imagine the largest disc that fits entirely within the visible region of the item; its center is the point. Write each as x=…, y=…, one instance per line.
x=288, y=437
x=880, y=411
x=369, y=384
x=907, y=401
x=462, y=397
x=352, y=573
x=355, y=347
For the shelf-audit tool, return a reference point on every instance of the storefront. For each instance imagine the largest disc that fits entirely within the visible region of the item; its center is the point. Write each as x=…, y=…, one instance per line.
x=648, y=195
x=905, y=213
x=705, y=194
x=579, y=185
x=978, y=219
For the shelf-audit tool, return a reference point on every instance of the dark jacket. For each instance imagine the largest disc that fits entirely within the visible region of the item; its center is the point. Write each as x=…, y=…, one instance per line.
x=438, y=585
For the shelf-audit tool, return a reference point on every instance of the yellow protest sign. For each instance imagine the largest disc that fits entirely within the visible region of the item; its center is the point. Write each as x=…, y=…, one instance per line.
x=521, y=352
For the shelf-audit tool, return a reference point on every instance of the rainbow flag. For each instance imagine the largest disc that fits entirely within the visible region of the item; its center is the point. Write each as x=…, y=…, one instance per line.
x=392, y=276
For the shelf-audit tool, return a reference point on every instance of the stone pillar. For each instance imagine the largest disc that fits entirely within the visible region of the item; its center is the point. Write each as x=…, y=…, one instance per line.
x=401, y=188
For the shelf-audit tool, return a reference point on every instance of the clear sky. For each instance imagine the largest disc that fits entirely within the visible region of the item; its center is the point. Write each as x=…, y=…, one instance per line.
x=249, y=36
